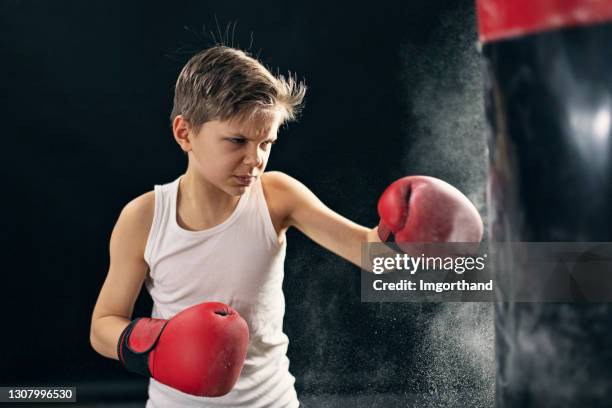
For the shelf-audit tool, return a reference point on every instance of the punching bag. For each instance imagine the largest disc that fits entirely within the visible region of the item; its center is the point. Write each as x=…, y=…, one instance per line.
x=548, y=100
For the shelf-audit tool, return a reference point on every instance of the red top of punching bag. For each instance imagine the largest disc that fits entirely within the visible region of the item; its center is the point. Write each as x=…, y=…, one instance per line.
x=501, y=19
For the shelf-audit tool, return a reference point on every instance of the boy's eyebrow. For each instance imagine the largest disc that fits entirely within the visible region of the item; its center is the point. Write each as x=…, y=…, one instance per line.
x=237, y=134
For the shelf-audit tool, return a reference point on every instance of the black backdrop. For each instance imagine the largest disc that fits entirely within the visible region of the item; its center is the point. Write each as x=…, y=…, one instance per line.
x=86, y=90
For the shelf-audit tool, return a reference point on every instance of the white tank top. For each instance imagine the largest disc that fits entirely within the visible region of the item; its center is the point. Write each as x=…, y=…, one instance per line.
x=238, y=262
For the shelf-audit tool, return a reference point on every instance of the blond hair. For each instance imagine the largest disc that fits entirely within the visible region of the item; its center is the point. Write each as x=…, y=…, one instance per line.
x=223, y=83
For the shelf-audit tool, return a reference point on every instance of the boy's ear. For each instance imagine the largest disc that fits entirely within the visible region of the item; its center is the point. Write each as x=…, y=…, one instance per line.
x=181, y=130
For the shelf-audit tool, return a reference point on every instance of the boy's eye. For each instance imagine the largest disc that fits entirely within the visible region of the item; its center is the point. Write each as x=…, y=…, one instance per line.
x=240, y=141
x=266, y=145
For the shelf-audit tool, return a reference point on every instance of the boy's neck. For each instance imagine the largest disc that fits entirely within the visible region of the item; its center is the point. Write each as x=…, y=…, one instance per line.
x=201, y=205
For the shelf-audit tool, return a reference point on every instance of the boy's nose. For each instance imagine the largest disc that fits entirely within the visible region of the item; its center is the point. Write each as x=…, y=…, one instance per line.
x=253, y=159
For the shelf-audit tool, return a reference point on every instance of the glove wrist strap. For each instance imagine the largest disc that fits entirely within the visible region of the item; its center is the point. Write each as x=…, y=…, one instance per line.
x=137, y=341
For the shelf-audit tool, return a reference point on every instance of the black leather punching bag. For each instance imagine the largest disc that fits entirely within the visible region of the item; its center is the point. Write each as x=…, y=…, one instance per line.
x=548, y=79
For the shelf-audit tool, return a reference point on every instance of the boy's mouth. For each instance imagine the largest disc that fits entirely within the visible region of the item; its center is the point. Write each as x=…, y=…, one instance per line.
x=245, y=180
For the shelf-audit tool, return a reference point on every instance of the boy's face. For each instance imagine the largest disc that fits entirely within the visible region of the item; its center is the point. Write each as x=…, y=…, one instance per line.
x=232, y=154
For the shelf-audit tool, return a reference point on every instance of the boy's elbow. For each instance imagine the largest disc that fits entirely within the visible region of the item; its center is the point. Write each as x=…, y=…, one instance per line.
x=104, y=334
x=92, y=339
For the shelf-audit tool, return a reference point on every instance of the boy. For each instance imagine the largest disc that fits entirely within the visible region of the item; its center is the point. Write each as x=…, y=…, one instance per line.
x=217, y=233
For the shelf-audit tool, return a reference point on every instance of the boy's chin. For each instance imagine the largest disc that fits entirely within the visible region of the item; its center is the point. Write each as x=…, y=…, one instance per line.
x=236, y=191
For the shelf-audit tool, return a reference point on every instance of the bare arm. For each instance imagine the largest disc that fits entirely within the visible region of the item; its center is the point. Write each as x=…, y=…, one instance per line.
x=126, y=275
x=302, y=209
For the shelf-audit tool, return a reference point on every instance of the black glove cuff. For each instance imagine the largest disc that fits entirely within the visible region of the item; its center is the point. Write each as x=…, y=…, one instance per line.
x=136, y=362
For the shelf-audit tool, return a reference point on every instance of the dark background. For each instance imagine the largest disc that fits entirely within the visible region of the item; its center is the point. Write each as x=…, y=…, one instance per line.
x=85, y=98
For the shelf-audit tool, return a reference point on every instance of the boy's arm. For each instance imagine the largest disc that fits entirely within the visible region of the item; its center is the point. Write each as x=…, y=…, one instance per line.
x=412, y=209
x=300, y=208
x=125, y=277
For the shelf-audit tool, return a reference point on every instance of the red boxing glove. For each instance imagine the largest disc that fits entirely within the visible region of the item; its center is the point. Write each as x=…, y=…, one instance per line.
x=425, y=209
x=200, y=351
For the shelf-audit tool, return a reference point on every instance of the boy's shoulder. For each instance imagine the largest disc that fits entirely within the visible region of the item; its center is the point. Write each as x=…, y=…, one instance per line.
x=141, y=207
x=285, y=193
x=279, y=190
x=277, y=184
x=136, y=218
x=277, y=180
